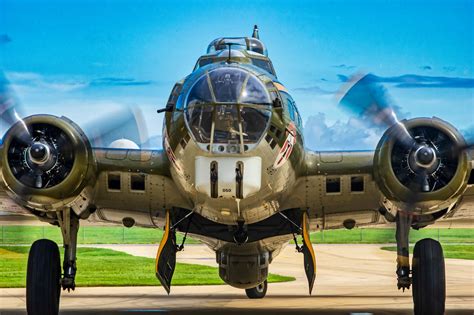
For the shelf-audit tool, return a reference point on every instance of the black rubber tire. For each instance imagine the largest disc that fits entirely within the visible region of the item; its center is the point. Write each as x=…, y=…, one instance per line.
x=43, y=288
x=429, y=278
x=258, y=292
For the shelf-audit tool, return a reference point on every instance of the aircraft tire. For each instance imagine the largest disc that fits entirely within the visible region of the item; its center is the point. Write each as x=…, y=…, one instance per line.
x=258, y=292
x=429, y=278
x=43, y=288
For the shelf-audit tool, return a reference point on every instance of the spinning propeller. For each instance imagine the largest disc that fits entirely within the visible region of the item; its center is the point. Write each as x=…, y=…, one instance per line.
x=41, y=150
x=423, y=158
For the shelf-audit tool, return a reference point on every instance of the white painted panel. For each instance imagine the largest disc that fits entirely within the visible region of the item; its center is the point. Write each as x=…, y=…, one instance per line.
x=226, y=183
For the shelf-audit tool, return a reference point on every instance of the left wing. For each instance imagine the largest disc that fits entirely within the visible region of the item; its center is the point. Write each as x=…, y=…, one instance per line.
x=344, y=189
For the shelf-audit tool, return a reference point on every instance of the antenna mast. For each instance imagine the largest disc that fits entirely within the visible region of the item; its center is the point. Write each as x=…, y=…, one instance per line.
x=255, y=32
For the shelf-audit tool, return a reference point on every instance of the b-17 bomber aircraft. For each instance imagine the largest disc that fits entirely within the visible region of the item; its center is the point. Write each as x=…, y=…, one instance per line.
x=234, y=174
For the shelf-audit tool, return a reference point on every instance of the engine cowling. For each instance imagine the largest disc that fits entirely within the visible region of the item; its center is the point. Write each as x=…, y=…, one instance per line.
x=430, y=174
x=46, y=163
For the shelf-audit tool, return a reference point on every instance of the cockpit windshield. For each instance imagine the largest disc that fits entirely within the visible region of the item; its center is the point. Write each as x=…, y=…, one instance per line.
x=228, y=85
x=228, y=106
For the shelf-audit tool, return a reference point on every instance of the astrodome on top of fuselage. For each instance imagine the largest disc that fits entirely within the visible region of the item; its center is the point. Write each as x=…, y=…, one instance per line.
x=247, y=43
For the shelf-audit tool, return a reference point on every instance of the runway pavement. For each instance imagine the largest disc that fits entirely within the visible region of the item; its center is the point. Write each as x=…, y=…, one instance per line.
x=351, y=279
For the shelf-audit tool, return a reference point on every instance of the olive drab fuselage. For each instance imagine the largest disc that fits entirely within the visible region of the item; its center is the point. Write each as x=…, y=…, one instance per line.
x=278, y=173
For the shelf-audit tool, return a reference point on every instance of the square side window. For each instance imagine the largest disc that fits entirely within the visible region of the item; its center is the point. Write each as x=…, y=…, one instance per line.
x=357, y=183
x=333, y=185
x=137, y=182
x=114, y=182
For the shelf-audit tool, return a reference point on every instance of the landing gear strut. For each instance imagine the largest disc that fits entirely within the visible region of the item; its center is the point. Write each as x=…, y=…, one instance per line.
x=69, y=224
x=43, y=279
x=403, y=255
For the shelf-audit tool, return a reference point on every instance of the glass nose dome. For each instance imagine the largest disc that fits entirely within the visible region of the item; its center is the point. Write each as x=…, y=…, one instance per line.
x=228, y=106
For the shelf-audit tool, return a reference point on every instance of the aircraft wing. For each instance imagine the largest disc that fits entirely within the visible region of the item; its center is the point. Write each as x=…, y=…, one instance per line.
x=336, y=185
x=124, y=176
x=343, y=188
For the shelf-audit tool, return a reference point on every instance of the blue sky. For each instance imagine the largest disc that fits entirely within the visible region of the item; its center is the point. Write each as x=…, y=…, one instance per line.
x=82, y=58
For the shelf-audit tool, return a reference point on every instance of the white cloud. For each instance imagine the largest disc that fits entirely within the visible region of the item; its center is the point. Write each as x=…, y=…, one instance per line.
x=34, y=81
x=340, y=135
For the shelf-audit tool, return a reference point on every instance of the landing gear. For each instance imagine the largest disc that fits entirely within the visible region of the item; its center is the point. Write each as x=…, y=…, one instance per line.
x=43, y=279
x=258, y=292
x=429, y=279
x=43, y=288
x=403, y=254
x=428, y=273
x=69, y=224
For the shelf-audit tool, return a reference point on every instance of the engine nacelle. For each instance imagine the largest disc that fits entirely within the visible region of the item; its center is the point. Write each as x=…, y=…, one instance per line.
x=430, y=174
x=47, y=164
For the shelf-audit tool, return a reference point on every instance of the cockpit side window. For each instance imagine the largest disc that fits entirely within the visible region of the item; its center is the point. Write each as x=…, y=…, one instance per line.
x=174, y=96
x=292, y=109
x=204, y=62
x=263, y=64
x=299, y=120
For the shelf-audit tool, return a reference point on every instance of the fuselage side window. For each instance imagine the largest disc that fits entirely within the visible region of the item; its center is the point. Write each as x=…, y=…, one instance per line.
x=174, y=96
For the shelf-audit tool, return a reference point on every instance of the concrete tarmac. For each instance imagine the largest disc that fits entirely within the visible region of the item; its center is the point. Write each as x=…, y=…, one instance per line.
x=351, y=279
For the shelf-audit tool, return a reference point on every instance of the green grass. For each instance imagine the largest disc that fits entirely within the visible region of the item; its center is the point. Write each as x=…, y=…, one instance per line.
x=387, y=235
x=136, y=235
x=105, y=267
x=450, y=251
x=87, y=235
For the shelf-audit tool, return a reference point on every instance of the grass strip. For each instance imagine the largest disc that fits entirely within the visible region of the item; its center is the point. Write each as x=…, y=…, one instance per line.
x=450, y=251
x=106, y=267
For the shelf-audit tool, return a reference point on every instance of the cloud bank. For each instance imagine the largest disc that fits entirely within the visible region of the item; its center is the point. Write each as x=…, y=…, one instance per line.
x=420, y=81
x=70, y=83
x=344, y=66
x=341, y=135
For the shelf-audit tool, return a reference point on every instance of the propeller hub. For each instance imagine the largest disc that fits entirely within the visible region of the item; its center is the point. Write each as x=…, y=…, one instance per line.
x=425, y=156
x=39, y=153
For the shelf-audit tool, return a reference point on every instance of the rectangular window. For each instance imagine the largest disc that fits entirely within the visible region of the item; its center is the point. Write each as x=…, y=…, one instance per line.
x=333, y=185
x=113, y=181
x=357, y=183
x=263, y=64
x=137, y=182
x=278, y=133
